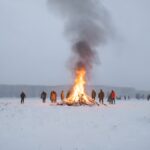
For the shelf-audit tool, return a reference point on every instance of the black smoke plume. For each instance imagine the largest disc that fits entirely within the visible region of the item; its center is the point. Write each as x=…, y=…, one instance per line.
x=87, y=26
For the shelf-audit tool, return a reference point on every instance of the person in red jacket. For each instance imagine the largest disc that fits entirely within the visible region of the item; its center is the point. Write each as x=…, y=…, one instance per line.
x=113, y=97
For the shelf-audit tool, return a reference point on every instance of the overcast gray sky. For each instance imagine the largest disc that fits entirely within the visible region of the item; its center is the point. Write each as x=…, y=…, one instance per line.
x=33, y=49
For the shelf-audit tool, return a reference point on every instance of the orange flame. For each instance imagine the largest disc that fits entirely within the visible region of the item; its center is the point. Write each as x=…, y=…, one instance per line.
x=78, y=94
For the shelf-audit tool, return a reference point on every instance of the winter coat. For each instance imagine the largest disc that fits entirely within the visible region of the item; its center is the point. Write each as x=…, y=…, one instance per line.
x=43, y=95
x=101, y=95
x=53, y=96
x=93, y=94
x=62, y=95
x=22, y=95
x=113, y=95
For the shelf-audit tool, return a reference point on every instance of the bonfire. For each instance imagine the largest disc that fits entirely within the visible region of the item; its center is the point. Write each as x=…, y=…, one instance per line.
x=78, y=94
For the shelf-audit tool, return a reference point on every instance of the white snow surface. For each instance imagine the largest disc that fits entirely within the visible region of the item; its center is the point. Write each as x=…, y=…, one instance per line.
x=38, y=126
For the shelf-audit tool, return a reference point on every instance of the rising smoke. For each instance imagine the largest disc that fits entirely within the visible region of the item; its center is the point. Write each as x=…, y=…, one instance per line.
x=87, y=25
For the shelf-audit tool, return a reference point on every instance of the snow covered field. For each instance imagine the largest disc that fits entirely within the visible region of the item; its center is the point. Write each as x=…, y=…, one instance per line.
x=37, y=126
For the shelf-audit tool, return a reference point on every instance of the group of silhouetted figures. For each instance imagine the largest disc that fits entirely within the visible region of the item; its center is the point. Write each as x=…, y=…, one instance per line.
x=53, y=96
x=101, y=95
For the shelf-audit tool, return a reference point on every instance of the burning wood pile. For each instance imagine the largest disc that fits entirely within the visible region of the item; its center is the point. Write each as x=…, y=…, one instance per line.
x=77, y=94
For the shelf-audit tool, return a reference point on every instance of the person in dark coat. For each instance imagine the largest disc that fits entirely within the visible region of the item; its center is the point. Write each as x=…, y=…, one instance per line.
x=22, y=96
x=101, y=96
x=93, y=94
x=125, y=97
x=109, y=99
x=53, y=97
x=148, y=97
x=43, y=96
x=62, y=95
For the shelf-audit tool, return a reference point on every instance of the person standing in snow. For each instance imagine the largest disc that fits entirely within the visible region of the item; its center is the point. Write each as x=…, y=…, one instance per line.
x=68, y=94
x=93, y=94
x=22, y=96
x=53, y=97
x=43, y=96
x=113, y=97
x=109, y=98
x=148, y=97
x=101, y=96
x=62, y=95
x=125, y=97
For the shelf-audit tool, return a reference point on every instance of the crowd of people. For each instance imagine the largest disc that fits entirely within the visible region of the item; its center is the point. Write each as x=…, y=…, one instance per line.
x=53, y=96
x=111, y=97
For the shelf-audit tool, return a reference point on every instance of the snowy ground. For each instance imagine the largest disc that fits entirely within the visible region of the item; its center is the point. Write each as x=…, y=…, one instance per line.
x=37, y=126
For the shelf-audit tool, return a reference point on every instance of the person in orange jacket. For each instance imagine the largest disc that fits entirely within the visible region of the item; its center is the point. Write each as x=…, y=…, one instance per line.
x=53, y=97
